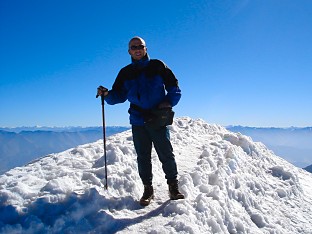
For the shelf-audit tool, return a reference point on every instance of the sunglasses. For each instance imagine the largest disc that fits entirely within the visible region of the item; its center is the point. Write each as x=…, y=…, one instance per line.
x=139, y=47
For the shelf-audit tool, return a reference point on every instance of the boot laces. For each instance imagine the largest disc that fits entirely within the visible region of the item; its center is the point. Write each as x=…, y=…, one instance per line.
x=174, y=188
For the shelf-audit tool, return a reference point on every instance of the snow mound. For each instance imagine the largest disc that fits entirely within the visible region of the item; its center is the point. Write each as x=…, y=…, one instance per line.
x=231, y=184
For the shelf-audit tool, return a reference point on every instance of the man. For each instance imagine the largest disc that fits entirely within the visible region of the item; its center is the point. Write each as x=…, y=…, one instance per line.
x=148, y=84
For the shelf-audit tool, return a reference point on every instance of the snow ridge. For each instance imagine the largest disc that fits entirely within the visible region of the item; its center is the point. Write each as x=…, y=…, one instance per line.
x=231, y=184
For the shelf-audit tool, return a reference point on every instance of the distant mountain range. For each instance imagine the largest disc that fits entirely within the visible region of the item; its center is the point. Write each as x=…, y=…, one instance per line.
x=24, y=144
x=308, y=168
x=61, y=129
x=293, y=144
x=21, y=145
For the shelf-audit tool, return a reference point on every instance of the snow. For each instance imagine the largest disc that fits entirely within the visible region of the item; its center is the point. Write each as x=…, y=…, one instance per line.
x=231, y=185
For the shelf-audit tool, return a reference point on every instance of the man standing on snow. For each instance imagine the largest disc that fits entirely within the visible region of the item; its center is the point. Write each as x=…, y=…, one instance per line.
x=148, y=84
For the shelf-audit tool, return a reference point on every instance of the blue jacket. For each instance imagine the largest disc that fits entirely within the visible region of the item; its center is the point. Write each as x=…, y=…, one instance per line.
x=146, y=84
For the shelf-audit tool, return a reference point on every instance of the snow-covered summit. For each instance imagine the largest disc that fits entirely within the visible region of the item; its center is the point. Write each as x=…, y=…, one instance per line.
x=231, y=184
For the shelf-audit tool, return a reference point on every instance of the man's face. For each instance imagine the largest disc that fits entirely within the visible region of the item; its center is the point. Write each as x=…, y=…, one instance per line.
x=137, y=49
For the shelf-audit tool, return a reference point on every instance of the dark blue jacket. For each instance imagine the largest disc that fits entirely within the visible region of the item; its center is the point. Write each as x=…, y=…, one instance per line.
x=146, y=84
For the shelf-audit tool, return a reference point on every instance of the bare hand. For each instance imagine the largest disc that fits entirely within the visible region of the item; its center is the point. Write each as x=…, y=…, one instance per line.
x=101, y=91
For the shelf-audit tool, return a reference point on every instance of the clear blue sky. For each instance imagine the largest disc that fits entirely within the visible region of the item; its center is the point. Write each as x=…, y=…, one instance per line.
x=238, y=62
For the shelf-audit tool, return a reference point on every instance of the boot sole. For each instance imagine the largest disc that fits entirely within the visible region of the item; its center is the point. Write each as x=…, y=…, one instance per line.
x=177, y=198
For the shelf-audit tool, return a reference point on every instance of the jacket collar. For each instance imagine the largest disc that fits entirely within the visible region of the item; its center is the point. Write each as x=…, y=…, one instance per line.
x=142, y=62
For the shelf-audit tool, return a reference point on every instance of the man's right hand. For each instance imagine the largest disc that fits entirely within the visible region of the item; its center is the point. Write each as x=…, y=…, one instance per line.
x=101, y=91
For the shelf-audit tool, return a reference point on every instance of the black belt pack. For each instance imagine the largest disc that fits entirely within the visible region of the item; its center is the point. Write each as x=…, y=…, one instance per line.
x=159, y=117
x=155, y=118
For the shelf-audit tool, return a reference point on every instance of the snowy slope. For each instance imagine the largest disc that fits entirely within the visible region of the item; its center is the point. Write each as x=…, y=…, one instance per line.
x=292, y=144
x=231, y=184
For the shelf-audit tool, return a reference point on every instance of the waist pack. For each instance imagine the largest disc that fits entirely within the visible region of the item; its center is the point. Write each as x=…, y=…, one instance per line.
x=159, y=118
x=156, y=118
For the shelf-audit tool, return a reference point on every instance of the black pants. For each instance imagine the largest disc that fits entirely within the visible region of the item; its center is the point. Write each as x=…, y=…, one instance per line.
x=143, y=138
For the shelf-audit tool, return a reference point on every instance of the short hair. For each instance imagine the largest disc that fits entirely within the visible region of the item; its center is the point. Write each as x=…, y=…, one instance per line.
x=136, y=38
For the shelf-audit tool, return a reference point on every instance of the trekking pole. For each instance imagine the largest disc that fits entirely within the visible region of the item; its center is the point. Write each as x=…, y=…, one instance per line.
x=104, y=138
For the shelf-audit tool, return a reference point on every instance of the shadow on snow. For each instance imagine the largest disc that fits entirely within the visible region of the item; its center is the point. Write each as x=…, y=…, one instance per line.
x=88, y=212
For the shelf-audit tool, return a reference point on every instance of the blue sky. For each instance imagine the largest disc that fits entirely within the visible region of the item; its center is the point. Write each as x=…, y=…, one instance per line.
x=238, y=62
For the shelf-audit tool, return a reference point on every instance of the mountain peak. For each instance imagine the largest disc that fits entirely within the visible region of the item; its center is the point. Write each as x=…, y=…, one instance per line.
x=231, y=185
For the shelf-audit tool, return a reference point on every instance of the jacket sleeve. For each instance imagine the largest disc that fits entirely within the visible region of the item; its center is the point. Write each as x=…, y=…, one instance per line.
x=173, y=95
x=118, y=93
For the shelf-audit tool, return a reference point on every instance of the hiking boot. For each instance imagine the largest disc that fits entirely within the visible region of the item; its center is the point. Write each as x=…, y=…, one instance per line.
x=148, y=195
x=174, y=191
